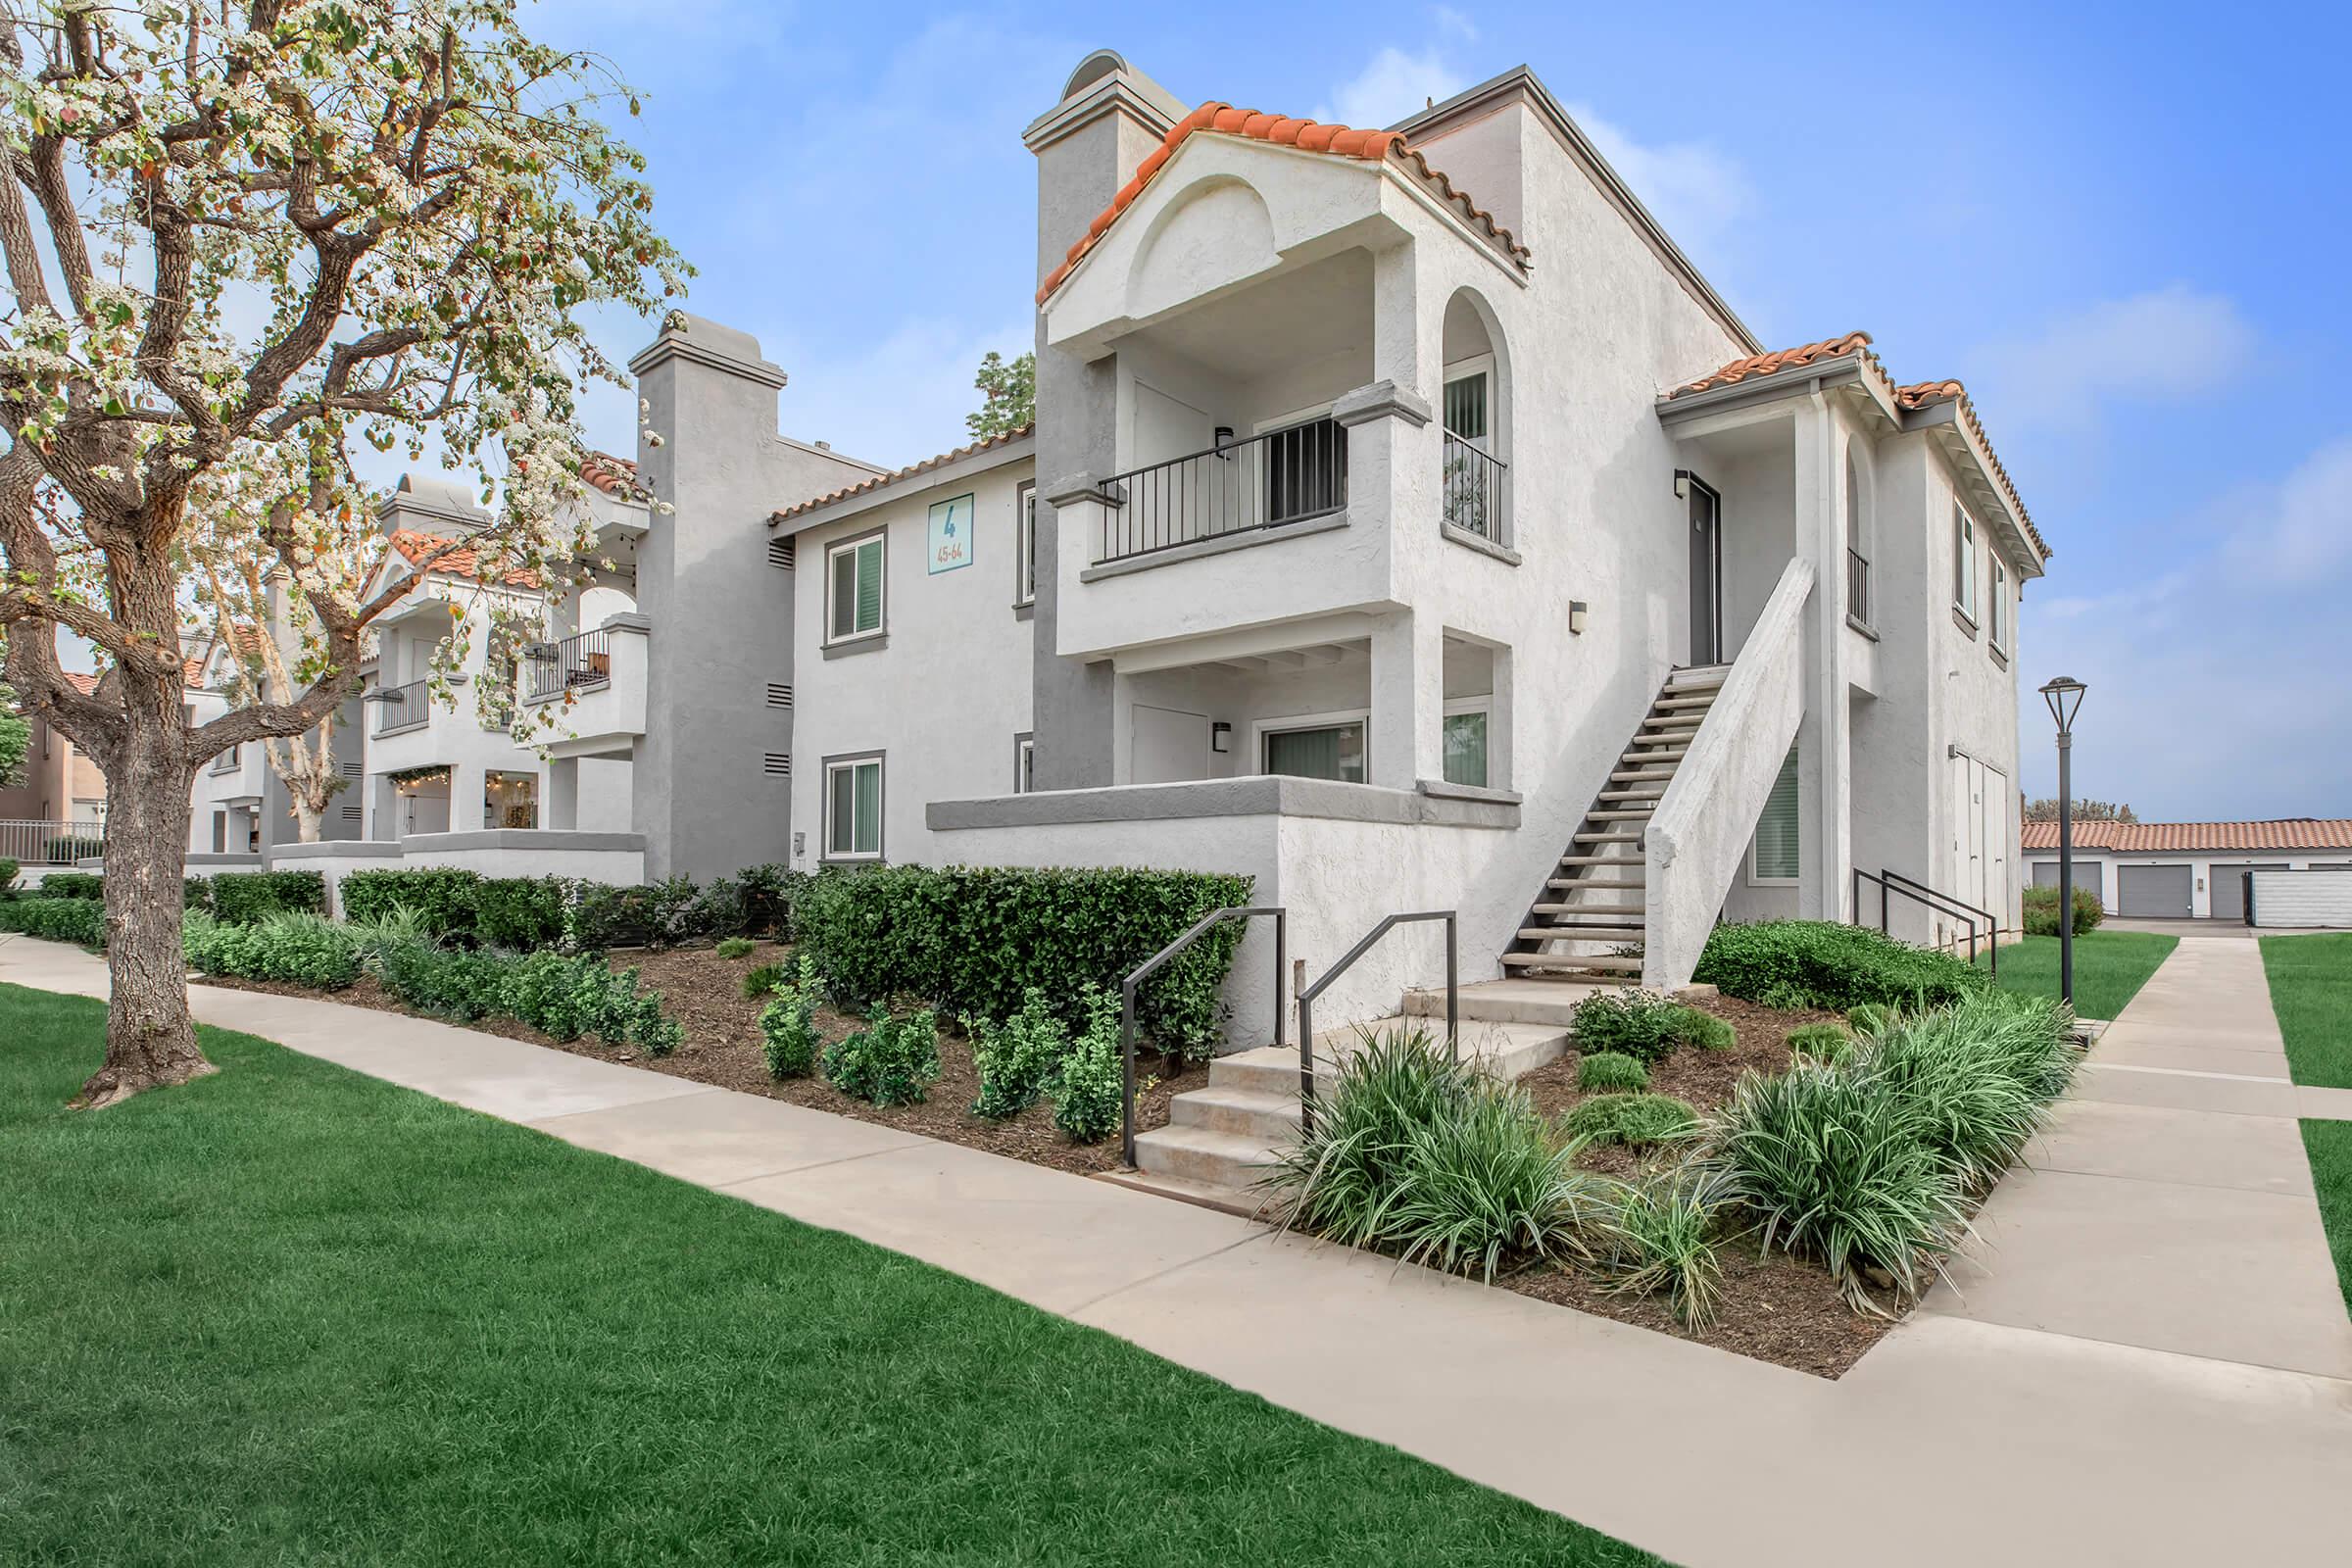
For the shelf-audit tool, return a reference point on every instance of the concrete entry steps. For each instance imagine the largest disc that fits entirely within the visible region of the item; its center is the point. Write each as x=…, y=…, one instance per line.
x=1220, y=1139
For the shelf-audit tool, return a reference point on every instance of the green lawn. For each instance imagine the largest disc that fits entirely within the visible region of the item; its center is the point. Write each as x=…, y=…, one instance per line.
x=2311, y=991
x=2110, y=968
x=2330, y=1146
x=292, y=1316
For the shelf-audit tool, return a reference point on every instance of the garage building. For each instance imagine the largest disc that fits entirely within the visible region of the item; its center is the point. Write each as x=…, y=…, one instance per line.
x=2186, y=870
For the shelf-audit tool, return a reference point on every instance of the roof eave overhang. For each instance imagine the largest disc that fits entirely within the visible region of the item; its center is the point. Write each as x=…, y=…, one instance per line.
x=1474, y=102
x=962, y=469
x=1987, y=495
x=1822, y=376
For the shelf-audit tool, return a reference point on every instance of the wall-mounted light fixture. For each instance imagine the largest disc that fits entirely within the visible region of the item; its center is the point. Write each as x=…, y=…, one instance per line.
x=1576, y=617
x=1220, y=737
x=1225, y=443
x=1682, y=484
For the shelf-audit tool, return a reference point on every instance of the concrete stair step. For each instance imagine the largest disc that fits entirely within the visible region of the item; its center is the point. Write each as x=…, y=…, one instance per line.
x=1271, y=1119
x=1695, y=676
x=1630, y=913
x=1660, y=776
x=1571, y=963
x=1675, y=756
x=1608, y=838
x=1599, y=881
x=1269, y=1069
x=1233, y=1161
x=1631, y=863
x=1698, y=700
x=1580, y=933
x=1651, y=794
x=1248, y=1204
x=1524, y=1003
x=1654, y=722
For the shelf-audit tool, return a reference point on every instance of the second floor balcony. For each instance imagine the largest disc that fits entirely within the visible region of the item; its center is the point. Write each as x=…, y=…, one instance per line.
x=584, y=695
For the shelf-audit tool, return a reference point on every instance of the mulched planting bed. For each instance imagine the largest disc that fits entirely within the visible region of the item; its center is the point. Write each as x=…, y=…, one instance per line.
x=704, y=991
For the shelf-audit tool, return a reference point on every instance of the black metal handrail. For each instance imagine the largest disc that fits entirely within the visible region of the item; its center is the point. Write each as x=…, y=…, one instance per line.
x=1473, y=487
x=579, y=663
x=401, y=707
x=1268, y=480
x=1858, y=585
x=1930, y=898
x=1144, y=970
x=1308, y=994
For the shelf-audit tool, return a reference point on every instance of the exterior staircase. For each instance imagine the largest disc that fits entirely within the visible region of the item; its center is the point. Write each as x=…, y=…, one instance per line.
x=1220, y=1138
x=1594, y=906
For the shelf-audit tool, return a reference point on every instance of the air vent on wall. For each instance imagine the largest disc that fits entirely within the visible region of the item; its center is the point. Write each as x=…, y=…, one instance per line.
x=781, y=553
x=351, y=813
x=779, y=694
x=777, y=765
x=350, y=769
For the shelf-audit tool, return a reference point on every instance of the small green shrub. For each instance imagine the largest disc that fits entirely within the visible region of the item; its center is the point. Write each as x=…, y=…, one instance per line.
x=1817, y=963
x=1610, y=1072
x=1821, y=1042
x=290, y=948
x=1017, y=1057
x=72, y=885
x=768, y=895
x=761, y=978
x=441, y=896
x=2041, y=911
x=1662, y=1236
x=1640, y=1024
x=1835, y=1166
x=81, y=920
x=8, y=876
x=1636, y=1121
x=890, y=1061
x=247, y=897
x=1087, y=1087
x=735, y=947
x=521, y=912
x=788, y=1025
x=1706, y=1031
x=196, y=893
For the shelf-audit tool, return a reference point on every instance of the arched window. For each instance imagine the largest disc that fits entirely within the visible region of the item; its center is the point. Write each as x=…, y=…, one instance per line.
x=1857, y=540
x=1475, y=411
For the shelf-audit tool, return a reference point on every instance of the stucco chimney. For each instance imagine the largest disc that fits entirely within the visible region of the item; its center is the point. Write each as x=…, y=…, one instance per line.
x=1109, y=119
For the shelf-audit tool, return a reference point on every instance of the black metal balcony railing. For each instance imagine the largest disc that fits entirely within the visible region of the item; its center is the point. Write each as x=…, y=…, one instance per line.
x=400, y=707
x=1473, y=481
x=1857, y=586
x=1264, y=481
x=578, y=663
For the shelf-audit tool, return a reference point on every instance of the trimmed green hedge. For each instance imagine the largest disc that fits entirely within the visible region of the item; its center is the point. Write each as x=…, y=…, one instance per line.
x=974, y=940
x=81, y=920
x=1814, y=964
x=72, y=885
x=441, y=898
x=246, y=898
x=528, y=914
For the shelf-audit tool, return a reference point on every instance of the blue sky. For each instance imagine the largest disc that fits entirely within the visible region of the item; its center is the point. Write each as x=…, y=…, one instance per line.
x=2124, y=228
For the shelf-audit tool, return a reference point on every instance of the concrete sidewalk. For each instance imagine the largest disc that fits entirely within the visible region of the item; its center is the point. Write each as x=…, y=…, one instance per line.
x=2017, y=1425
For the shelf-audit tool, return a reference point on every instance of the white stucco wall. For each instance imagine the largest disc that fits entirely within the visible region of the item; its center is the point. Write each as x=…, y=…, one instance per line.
x=2303, y=898
x=943, y=694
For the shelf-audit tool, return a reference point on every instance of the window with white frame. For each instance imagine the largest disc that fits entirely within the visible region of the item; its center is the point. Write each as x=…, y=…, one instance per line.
x=1773, y=857
x=1024, y=522
x=2000, y=607
x=1024, y=764
x=1473, y=480
x=854, y=809
x=1329, y=746
x=1467, y=723
x=853, y=588
x=1964, y=561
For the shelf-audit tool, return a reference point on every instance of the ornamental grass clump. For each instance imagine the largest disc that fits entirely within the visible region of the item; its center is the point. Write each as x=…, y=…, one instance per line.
x=1664, y=1235
x=1638, y=1121
x=1413, y=1152
x=1821, y=1042
x=1834, y=1167
x=1978, y=1078
x=1610, y=1072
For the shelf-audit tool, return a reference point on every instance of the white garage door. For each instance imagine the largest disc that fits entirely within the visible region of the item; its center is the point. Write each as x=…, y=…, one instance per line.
x=2154, y=892
x=2225, y=886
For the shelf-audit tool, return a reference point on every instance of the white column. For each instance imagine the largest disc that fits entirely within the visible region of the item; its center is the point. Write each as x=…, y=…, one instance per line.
x=1407, y=738
x=1824, y=742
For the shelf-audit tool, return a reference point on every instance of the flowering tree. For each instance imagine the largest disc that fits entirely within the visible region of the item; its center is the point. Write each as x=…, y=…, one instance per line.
x=237, y=236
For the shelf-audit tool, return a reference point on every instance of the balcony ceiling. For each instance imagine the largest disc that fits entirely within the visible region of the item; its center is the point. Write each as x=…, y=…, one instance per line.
x=1319, y=311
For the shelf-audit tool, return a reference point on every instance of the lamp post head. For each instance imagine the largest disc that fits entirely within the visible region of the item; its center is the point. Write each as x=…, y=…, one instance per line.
x=2064, y=694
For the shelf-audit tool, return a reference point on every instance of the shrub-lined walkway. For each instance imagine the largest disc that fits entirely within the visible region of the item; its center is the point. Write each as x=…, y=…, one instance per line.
x=2110, y=968
x=1602, y=1423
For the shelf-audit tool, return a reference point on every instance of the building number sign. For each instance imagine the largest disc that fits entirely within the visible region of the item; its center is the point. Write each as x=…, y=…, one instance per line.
x=950, y=535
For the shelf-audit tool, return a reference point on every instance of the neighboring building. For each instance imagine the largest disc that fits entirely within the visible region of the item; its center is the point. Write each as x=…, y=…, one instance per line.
x=1406, y=539
x=61, y=804
x=2186, y=870
x=239, y=804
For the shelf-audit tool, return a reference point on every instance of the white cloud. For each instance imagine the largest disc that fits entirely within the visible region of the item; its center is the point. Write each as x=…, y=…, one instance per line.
x=2213, y=689
x=1454, y=23
x=1694, y=188
x=899, y=399
x=2169, y=345
x=1394, y=85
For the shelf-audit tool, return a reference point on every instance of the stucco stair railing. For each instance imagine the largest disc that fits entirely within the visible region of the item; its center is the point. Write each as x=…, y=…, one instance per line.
x=1699, y=833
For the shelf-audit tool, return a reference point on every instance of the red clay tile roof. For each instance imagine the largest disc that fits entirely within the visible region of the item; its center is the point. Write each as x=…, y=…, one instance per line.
x=1919, y=395
x=81, y=681
x=1341, y=141
x=2288, y=833
x=417, y=548
x=615, y=477
x=880, y=480
x=191, y=673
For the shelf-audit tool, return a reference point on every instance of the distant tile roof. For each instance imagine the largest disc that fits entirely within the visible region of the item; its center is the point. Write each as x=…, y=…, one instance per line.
x=1918, y=395
x=882, y=480
x=1339, y=142
x=417, y=548
x=2286, y=833
x=615, y=477
x=82, y=682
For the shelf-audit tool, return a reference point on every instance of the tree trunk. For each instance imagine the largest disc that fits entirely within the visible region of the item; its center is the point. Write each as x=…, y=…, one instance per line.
x=150, y=1036
x=307, y=819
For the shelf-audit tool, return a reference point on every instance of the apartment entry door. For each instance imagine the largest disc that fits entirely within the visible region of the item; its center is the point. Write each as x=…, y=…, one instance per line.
x=1706, y=575
x=1167, y=745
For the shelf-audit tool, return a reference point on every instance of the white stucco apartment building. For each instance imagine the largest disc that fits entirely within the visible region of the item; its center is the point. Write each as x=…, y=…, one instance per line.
x=1406, y=523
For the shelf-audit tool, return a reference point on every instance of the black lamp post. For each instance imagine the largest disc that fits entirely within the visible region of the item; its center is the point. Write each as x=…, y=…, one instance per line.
x=2065, y=696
